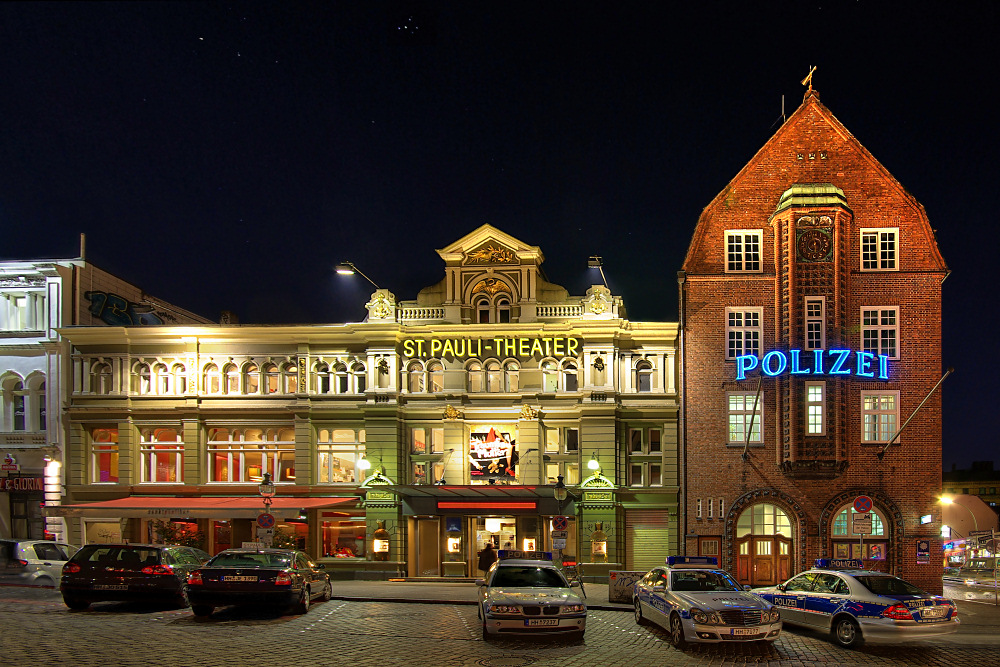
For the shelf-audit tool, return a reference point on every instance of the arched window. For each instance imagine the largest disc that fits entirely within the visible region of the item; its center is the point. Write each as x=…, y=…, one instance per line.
x=343, y=382
x=321, y=373
x=161, y=379
x=142, y=380
x=571, y=377
x=20, y=417
x=251, y=379
x=415, y=377
x=290, y=375
x=39, y=396
x=474, y=369
x=213, y=379
x=360, y=377
x=644, y=376
x=511, y=376
x=483, y=311
x=503, y=310
x=764, y=519
x=550, y=376
x=232, y=379
x=435, y=372
x=846, y=544
x=179, y=374
x=100, y=378
x=493, y=376
x=272, y=379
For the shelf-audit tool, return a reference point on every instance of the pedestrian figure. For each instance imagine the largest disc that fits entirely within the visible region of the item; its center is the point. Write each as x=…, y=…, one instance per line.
x=487, y=557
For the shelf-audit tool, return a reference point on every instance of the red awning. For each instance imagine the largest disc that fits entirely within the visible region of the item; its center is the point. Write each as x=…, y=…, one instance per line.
x=220, y=507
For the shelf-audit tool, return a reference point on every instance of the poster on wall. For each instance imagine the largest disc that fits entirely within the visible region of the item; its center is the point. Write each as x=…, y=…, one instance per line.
x=493, y=454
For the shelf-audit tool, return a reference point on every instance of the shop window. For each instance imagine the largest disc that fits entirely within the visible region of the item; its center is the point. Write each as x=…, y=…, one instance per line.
x=743, y=251
x=213, y=379
x=101, y=378
x=879, y=416
x=815, y=408
x=339, y=451
x=104, y=455
x=745, y=418
x=880, y=330
x=511, y=376
x=743, y=332
x=162, y=452
x=290, y=377
x=571, y=376
x=879, y=249
x=344, y=538
x=142, y=380
x=815, y=319
x=435, y=376
x=474, y=370
x=243, y=455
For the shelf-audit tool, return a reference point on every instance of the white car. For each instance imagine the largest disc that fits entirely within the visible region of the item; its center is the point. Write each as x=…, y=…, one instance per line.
x=33, y=562
x=523, y=593
x=695, y=601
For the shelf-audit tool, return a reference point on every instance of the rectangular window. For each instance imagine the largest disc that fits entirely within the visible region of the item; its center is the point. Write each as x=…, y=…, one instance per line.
x=711, y=507
x=104, y=455
x=815, y=408
x=879, y=416
x=635, y=474
x=654, y=441
x=722, y=507
x=743, y=251
x=570, y=472
x=879, y=249
x=243, y=455
x=698, y=511
x=562, y=440
x=880, y=330
x=635, y=440
x=815, y=318
x=741, y=409
x=743, y=331
x=162, y=452
x=426, y=440
x=655, y=474
x=708, y=546
x=339, y=451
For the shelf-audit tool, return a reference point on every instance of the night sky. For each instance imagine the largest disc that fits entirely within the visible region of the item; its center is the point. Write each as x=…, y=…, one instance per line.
x=227, y=156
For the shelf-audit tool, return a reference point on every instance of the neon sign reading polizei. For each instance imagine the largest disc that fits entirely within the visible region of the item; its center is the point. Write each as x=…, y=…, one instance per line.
x=815, y=362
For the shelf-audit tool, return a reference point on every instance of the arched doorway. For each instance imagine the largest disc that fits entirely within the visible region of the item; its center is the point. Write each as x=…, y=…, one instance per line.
x=871, y=547
x=763, y=545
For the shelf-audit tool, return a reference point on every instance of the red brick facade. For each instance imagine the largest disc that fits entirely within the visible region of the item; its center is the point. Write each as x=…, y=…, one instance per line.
x=846, y=260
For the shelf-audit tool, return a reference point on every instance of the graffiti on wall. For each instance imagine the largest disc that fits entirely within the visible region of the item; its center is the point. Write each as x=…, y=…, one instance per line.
x=118, y=311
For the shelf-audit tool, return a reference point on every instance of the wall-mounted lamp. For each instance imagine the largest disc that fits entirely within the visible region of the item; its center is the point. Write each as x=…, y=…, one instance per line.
x=363, y=463
x=595, y=262
x=266, y=490
x=593, y=463
x=346, y=268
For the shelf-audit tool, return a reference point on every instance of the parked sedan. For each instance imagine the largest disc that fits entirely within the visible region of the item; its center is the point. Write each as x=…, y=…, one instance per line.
x=695, y=601
x=32, y=562
x=285, y=579
x=152, y=573
x=857, y=605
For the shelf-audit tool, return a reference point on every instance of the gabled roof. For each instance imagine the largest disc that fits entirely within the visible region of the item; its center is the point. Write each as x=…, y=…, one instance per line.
x=456, y=251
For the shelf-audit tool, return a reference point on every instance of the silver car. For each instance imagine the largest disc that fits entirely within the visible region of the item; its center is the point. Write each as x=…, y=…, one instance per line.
x=695, y=601
x=856, y=605
x=33, y=562
x=523, y=593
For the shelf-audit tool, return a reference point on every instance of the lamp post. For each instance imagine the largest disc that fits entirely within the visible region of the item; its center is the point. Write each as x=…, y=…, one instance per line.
x=265, y=522
x=948, y=500
x=346, y=268
x=595, y=262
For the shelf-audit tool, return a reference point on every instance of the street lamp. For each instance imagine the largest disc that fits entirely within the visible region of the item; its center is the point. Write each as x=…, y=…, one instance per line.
x=948, y=500
x=595, y=262
x=560, y=492
x=266, y=489
x=346, y=268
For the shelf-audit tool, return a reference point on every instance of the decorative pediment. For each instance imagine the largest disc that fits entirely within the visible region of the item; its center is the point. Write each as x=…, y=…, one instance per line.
x=382, y=307
x=486, y=246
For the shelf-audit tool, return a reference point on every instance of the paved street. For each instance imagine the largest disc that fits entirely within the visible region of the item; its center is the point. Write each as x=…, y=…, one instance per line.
x=37, y=627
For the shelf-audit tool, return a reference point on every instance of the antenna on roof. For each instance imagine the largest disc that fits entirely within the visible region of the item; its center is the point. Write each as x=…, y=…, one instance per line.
x=782, y=117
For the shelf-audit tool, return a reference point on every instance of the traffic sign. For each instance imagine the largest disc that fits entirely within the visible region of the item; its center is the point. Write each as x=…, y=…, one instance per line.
x=862, y=504
x=862, y=523
x=560, y=534
x=560, y=523
x=265, y=520
x=558, y=544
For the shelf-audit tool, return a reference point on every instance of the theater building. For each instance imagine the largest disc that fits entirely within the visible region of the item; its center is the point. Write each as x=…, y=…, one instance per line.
x=811, y=318
x=400, y=444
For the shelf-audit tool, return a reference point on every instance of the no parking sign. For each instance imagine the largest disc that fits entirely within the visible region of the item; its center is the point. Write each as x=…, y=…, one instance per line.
x=862, y=504
x=560, y=523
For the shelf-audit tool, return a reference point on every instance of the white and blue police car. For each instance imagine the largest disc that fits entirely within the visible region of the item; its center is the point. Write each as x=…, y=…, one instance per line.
x=696, y=601
x=524, y=593
x=857, y=605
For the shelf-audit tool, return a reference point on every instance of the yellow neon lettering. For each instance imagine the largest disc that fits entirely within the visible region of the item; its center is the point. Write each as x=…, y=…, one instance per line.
x=571, y=345
x=523, y=347
x=408, y=348
x=548, y=346
x=509, y=347
x=536, y=347
x=448, y=348
x=557, y=346
x=435, y=347
x=420, y=347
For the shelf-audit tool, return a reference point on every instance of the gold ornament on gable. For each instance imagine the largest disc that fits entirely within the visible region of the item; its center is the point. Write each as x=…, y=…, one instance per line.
x=491, y=286
x=491, y=254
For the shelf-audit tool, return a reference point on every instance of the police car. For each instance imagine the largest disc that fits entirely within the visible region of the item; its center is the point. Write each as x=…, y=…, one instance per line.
x=524, y=593
x=698, y=602
x=857, y=605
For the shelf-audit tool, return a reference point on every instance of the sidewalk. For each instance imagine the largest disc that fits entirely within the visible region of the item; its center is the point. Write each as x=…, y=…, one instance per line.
x=446, y=592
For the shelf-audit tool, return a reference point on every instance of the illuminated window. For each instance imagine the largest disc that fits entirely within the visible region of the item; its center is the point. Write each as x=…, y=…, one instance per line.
x=104, y=455
x=272, y=379
x=494, y=377
x=178, y=377
x=570, y=471
x=763, y=519
x=511, y=374
x=571, y=376
x=245, y=454
x=213, y=379
x=290, y=378
x=415, y=377
x=251, y=379
x=743, y=331
x=842, y=523
x=142, y=380
x=162, y=455
x=101, y=378
x=339, y=451
x=435, y=375
x=880, y=330
x=741, y=413
x=474, y=369
x=426, y=440
x=562, y=440
x=879, y=416
x=22, y=311
x=815, y=408
x=550, y=376
x=879, y=249
x=815, y=320
x=743, y=251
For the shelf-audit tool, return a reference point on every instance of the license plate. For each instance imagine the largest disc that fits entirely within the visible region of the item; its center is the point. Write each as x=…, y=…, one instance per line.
x=743, y=632
x=110, y=587
x=542, y=621
x=933, y=612
x=235, y=577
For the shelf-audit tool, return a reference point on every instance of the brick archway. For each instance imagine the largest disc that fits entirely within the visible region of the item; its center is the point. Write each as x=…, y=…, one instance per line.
x=796, y=515
x=889, y=509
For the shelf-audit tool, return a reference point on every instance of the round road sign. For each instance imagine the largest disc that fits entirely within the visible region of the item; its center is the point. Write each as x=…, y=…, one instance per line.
x=560, y=523
x=862, y=504
x=265, y=520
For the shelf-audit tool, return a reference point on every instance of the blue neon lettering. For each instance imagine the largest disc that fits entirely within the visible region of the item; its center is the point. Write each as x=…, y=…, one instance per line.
x=744, y=363
x=766, y=363
x=818, y=362
x=883, y=367
x=865, y=364
x=838, y=364
x=796, y=368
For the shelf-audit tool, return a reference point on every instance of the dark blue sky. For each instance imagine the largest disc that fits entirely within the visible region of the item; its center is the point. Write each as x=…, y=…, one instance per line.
x=226, y=156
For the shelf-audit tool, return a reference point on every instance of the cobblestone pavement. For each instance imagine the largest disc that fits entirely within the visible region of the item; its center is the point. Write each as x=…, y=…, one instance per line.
x=36, y=627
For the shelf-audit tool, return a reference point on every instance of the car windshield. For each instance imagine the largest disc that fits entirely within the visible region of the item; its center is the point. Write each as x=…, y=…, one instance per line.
x=889, y=586
x=251, y=560
x=514, y=576
x=699, y=581
x=119, y=557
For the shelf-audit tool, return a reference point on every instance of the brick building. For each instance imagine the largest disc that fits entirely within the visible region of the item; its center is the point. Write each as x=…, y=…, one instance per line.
x=811, y=318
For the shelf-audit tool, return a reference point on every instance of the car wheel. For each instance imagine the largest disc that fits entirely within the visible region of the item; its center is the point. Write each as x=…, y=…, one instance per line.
x=202, y=610
x=76, y=604
x=677, y=632
x=486, y=635
x=639, y=618
x=181, y=599
x=847, y=633
x=327, y=592
x=303, y=606
x=45, y=581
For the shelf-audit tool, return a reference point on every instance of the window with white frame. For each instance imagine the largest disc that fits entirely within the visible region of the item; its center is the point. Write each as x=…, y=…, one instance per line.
x=15, y=415
x=571, y=375
x=511, y=376
x=562, y=440
x=879, y=415
x=476, y=377
x=741, y=414
x=178, y=379
x=415, y=377
x=22, y=311
x=645, y=473
x=815, y=320
x=435, y=376
x=645, y=447
x=698, y=510
x=880, y=330
x=743, y=331
x=245, y=454
x=104, y=456
x=161, y=451
x=645, y=440
x=643, y=377
x=272, y=379
x=290, y=377
x=426, y=440
x=339, y=451
x=360, y=378
x=101, y=378
x=569, y=469
x=212, y=379
x=879, y=249
x=251, y=379
x=342, y=379
x=815, y=408
x=550, y=376
x=162, y=379
x=142, y=379
x=743, y=251
x=427, y=460
x=322, y=378
x=232, y=379
x=494, y=376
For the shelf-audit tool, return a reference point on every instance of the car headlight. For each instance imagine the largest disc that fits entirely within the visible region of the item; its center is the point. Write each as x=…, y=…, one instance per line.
x=573, y=608
x=504, y=609
x=772, y=616
x=705, y=617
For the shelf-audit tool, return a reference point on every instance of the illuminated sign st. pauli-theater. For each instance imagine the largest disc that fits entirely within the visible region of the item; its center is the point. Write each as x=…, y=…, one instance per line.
x=497, y=346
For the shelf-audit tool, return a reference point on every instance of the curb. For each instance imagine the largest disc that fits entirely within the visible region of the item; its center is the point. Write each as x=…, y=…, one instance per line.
x=353, y=598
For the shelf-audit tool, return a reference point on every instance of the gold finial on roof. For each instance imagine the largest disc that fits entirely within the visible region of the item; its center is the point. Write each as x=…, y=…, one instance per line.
x=808, y=81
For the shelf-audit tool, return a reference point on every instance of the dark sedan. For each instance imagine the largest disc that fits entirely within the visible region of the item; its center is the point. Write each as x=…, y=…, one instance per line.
x=149, y=573
x=283, y=579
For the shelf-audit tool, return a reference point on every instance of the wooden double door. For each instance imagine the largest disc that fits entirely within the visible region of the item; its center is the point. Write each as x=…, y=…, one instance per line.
x=763, y=560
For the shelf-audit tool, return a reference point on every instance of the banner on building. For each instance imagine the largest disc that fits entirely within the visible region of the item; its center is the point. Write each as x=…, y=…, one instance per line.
x=493, y=453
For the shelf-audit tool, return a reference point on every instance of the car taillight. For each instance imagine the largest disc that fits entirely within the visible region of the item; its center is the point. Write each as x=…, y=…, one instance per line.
x=194, y=579
x=157, y=569
x=898, y=612
x=19, y=563
x=71, y=568
x=283, y=579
